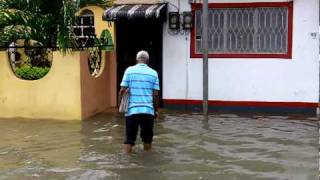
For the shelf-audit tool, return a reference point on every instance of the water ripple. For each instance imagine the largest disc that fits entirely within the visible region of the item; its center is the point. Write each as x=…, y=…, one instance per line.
x=186, y=146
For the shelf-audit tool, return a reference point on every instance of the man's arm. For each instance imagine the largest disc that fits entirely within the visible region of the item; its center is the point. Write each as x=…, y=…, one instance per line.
x=121, y=92
x=155, y=100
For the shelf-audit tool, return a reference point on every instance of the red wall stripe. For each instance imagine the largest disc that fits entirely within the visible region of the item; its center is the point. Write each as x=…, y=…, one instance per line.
x=242, y=103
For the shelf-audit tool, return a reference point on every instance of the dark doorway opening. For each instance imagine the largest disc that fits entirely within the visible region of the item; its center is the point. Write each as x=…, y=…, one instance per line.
x=136, y=35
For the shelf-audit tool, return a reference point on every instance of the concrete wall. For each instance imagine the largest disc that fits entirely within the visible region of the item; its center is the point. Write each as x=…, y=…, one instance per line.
x=97, y=93
x=55, y=96
x=111, y=73
x=67, y=92
x=235, y=79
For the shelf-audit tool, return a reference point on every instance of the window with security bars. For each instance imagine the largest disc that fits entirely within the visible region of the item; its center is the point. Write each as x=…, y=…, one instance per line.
x=85, y=29
x=244, y=31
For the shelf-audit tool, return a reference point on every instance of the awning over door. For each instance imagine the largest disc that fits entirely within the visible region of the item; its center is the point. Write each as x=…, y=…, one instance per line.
x=135, y=11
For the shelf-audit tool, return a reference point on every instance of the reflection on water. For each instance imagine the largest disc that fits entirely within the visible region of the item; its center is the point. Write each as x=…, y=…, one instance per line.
x=187, y=146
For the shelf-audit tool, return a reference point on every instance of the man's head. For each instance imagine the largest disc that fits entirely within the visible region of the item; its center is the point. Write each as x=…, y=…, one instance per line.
x=142, y=57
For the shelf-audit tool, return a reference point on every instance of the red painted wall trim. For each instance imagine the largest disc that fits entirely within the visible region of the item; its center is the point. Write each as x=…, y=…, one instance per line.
x=242, y=103
x=288, y=55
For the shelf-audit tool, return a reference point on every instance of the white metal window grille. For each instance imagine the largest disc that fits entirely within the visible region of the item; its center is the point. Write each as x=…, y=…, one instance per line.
x=85, y=30
x=256, y=30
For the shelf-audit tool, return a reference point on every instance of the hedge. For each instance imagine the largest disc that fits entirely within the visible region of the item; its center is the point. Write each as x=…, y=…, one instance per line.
x=31, y=73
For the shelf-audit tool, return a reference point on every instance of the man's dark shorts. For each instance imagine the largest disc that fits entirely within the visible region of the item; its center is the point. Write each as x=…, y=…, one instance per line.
x=145, y=122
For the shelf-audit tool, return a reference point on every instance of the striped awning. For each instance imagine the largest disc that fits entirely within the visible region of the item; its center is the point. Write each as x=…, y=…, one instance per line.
x=134, y=11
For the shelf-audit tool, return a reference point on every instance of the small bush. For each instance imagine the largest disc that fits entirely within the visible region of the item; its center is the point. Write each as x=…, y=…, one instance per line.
x=31, y=73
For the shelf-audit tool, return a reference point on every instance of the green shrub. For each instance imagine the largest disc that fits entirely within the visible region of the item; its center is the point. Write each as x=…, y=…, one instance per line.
x=31, y=73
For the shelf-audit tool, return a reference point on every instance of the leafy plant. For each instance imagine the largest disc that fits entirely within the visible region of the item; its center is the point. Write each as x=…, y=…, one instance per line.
x=105, y=41
x=46, y=21
x=31, y=73
x=102, y=3
x=21, y=19
x=38, y=57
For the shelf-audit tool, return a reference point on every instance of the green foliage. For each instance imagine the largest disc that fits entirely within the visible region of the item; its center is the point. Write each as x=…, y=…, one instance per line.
x=65, y=36
x=105, y=41
x=38, y=57
x=102, y=3
x=46, y=21
x=21, y=19
x=31, y=73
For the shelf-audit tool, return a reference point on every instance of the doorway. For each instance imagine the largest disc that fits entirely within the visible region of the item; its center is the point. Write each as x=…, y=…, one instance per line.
x=133, y=36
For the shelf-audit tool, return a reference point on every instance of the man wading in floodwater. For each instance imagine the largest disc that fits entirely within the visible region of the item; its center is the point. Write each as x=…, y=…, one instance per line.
x=142, y=82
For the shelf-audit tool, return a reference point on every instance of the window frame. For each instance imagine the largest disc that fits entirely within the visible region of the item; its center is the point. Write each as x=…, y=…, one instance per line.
x=82, y=27
x=288, y=55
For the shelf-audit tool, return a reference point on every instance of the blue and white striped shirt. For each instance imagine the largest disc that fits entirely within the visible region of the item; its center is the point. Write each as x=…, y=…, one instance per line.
x=141, y=81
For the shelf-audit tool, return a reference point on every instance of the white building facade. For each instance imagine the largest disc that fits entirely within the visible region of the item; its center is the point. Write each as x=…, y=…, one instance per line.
x=263, y=55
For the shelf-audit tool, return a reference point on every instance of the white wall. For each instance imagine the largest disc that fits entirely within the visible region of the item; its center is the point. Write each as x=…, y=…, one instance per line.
x=272, y=80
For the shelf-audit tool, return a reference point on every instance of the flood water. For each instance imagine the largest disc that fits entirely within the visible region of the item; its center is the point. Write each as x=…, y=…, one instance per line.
x=186, y=146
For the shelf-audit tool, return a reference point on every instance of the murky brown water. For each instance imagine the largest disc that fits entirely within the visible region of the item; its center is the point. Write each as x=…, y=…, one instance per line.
x=225, y=146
